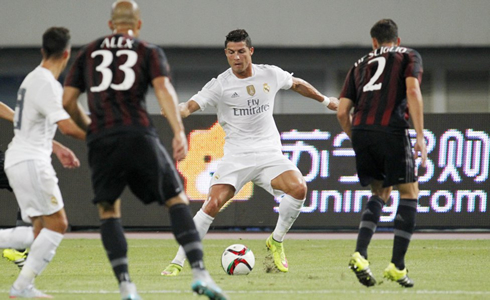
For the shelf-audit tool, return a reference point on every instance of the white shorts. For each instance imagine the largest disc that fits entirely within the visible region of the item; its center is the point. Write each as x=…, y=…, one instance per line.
x=259, y=167
x=36, y=188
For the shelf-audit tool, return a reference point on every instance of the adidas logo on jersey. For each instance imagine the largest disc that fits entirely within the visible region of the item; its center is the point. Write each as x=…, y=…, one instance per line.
x=235, y=95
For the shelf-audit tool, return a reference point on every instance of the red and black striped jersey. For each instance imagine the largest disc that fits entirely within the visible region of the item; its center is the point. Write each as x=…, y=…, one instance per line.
x=376, y=85
x=115, y=71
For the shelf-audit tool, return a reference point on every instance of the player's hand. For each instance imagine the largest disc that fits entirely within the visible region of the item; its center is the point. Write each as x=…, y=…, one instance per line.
x=67, y=158
x=179, y=145
x=334, y=103
x=420, y=150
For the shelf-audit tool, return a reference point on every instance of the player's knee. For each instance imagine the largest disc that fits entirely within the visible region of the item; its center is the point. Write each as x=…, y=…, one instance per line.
x=108, y=210
x=298, y=190
x=62, y=225
x=211, y=207
x=179, y=199
x=409, y=190
x=383, y=193
x=59, y=225
x=105, y=206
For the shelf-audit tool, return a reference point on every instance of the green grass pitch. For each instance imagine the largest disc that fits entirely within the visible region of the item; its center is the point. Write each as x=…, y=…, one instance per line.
x=441, y=269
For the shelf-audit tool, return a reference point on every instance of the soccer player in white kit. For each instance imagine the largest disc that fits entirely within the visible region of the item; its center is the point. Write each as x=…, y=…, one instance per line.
x=244, y=97
x=16, y=240
x=38, y=113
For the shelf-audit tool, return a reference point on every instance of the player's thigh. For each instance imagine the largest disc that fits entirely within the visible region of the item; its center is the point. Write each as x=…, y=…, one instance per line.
x=151, y=174
x=108, y=159
x=279, y=169
x=36, y=188
x=235, y=170
x=399, y=162
x=292, y=183
x=369, y=158
x=220, y=193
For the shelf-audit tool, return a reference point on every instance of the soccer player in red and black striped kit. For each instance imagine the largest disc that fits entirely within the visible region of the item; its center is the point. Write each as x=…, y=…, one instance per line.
x=383, y=87
x=123, y=146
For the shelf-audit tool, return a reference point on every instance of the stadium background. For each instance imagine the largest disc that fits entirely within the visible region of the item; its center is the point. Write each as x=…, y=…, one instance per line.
x=318, y=41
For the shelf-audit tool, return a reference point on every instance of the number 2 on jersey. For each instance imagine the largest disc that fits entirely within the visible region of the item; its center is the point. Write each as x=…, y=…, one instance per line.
x=107, y=58
x=371, y=86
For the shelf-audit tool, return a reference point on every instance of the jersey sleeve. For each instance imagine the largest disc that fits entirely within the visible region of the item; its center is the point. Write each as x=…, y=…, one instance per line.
x=158, y=63
x=209, y=95
x=349, y=89
x=414, y=67
x=284, y=79
x=51, y=105
x=75, y=76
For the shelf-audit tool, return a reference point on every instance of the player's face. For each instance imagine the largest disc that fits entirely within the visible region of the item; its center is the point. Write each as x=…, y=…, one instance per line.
x=239, y=58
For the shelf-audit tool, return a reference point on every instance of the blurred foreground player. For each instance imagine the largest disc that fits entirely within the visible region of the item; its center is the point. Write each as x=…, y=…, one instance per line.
x=19, y=255
x=38, y=113
x=22, y=235
x=383, y=87
x=115, y=71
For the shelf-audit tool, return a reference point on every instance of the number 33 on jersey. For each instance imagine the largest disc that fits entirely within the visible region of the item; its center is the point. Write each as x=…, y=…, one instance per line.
x=116, y=71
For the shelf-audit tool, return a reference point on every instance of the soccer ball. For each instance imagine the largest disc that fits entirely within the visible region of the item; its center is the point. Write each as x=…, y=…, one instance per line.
x=237, y=259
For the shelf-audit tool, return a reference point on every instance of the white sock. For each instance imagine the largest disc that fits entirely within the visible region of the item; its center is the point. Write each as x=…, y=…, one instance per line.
x=203, y=222
x=289, y=210
x=42, y=251
x=17, y=237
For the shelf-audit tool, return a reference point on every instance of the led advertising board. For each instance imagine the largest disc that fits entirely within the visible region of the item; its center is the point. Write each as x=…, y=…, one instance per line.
x=453, y=186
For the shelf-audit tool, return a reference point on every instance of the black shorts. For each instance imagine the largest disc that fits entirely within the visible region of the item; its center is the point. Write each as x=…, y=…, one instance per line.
x=4, y=181
x=383, y=156
x=135, y=160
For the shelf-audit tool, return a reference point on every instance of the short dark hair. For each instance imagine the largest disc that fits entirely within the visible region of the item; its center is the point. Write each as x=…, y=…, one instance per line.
x=238, y=35
x=385, y=31
x=55, y=41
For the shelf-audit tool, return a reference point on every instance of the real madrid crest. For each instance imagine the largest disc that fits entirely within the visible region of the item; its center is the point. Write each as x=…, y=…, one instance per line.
x=251, y=90
x=267, y=88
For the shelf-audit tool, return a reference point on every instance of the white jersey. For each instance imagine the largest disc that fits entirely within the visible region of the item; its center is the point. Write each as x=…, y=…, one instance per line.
x=245, y=107
x=39, y=107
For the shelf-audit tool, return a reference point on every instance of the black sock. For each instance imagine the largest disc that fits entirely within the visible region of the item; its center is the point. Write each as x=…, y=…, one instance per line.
x=404, y=226
x=116, y=247
x=20, y=222
x=186, y=234
x=369, y=222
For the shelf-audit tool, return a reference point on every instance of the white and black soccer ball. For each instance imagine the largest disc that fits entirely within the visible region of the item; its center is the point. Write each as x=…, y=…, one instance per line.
x=237, y=259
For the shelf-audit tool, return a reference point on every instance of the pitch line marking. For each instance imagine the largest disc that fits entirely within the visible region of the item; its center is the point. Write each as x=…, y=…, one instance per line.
x=407, y=292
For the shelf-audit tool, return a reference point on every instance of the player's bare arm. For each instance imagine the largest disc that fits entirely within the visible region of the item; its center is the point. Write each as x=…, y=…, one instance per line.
x=6, y=112
x=67, y=158
x=416, y=110
x=187, y=108
x=167, y=98
x=69, y=128
x=71, y=105
x=304, y=88
x=344, y=116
